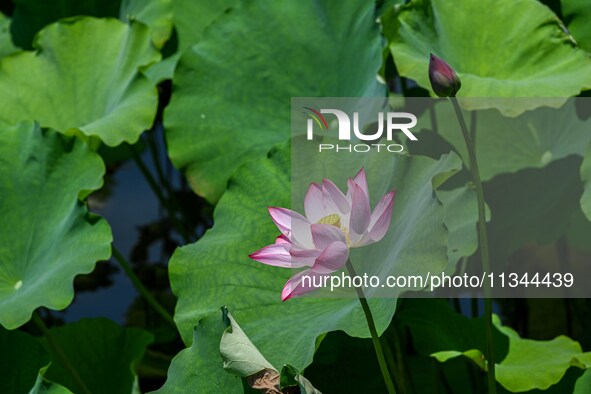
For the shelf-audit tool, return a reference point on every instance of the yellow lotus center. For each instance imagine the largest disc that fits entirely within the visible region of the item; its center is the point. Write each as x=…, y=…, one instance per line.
x=335, y=220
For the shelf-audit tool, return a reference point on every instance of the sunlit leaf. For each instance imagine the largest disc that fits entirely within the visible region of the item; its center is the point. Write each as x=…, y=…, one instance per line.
x=83, y=78
x=495, y=51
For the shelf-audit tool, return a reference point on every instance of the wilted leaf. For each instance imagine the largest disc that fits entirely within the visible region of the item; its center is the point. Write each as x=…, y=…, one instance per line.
x=265, y=381
x=241, y=357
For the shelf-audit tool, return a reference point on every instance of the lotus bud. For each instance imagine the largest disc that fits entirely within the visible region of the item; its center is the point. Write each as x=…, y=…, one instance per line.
x=444, y=80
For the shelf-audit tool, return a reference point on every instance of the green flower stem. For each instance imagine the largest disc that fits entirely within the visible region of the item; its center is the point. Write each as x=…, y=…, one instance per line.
x=483, y=241
x=140, y=287
x=156, y=189
x=60, y=353
x=377, y=344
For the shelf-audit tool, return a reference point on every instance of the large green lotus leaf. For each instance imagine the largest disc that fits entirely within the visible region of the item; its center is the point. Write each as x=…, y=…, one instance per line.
x=84, y=77
x=47, y=235
x=577, y=16
x=103, y=354
x=233, y=91
x=156, y=14
x=506, y=145
x=586, y=177
x=478, y=39
x=200, y=367
x=6, y=45
x=530, y=364
x=216, y=270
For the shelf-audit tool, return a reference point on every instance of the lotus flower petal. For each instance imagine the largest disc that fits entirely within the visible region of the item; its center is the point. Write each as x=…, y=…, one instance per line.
x=333, y=195
x=293, y=225
x=381, y=217
x=360, y=211
x=294, y=286
x=314, y=204
x=325, y=234
x=332, y=259
x=276, y=255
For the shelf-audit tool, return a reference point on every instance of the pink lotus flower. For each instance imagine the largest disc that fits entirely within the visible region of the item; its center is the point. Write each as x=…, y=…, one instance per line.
x=334, y=222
